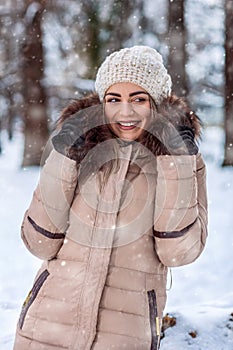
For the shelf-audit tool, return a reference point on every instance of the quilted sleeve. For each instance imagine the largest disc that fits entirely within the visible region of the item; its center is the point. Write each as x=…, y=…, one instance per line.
x=180, y=221
x=46, y=220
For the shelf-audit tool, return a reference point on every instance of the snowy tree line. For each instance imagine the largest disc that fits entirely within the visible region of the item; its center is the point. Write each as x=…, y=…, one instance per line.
x=50, y=50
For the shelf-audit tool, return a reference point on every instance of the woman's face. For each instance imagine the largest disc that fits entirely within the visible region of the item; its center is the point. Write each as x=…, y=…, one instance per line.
x=127, y=110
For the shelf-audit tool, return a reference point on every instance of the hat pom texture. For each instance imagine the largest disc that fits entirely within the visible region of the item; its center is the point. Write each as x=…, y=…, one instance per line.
x=141, y=65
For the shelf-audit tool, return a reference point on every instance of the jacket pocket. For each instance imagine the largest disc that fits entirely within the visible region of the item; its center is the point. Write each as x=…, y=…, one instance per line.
x=32, y=296
x=154, y=320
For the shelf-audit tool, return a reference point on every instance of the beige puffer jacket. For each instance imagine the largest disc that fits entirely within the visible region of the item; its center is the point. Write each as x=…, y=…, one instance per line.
x=106, y=250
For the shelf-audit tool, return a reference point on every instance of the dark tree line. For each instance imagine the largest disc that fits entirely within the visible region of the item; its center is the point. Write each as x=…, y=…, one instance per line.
x=35, y=117
x=177, y=52
x=34, y=33
x=228, y=121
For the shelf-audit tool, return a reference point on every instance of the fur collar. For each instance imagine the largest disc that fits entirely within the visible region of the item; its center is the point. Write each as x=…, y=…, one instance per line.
x=175, y=109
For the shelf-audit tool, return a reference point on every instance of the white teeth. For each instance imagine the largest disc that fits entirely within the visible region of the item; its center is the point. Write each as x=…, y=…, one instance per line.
x=127, y=123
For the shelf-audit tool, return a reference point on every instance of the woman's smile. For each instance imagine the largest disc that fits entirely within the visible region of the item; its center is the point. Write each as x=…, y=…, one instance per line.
x=127, y=125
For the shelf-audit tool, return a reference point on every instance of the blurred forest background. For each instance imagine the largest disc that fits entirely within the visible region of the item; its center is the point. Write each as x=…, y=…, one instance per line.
x=50, y=50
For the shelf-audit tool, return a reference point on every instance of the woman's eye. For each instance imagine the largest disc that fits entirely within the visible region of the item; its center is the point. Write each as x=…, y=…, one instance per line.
x=139, y=100
x=112, y=100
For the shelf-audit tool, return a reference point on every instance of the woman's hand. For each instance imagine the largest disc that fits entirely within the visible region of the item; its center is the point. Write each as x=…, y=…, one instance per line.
x=182, y=141
x=69, y=134
x=178, y=140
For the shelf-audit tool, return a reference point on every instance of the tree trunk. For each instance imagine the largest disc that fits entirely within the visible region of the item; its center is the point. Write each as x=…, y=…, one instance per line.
x=35, y=114
x=228, y=122
x=177, y=52
x=0, y=136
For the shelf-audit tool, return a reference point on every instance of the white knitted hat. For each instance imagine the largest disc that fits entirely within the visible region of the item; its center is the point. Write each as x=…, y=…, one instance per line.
x=140, y=65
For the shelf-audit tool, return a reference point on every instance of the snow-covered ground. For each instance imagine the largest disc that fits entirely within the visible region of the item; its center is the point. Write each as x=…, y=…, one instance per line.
x=201, y=297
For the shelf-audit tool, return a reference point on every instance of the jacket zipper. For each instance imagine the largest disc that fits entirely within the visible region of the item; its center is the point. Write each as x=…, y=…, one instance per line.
x=32, y=296
x=154, y=320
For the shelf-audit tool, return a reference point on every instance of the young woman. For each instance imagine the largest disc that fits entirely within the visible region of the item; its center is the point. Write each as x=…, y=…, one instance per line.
x=121, y=198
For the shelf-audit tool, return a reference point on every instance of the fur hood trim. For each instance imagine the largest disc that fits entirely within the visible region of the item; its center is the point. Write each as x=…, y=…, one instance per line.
x=175, y=109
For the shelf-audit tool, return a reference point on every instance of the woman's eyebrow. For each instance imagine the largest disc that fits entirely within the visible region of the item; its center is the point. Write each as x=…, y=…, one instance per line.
x=113, y=94
x=137, y=93
x=130, y=95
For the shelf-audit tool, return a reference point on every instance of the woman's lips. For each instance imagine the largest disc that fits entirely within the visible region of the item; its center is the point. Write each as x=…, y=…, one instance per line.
x=129, y=125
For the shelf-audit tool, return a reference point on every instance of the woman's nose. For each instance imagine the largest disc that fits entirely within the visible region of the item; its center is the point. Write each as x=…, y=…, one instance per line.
x=126, y=109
